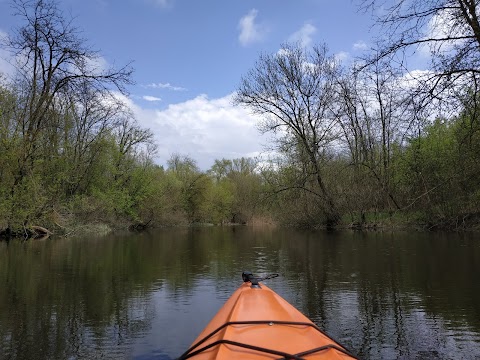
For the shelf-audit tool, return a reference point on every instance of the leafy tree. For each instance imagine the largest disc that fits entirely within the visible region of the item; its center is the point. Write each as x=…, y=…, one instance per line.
x=219, y=202
x=440, y=173
x=430, y=164
x=221, y=169
x=240, y=186
x=195, y=186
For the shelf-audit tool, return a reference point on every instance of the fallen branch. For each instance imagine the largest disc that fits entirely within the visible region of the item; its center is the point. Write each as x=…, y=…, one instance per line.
x=40, y=232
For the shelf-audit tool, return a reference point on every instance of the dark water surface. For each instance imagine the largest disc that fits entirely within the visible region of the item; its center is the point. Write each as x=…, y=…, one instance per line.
x=384, y=296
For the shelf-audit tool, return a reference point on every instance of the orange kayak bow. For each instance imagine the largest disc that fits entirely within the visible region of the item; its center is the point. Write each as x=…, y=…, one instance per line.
x=257, y=323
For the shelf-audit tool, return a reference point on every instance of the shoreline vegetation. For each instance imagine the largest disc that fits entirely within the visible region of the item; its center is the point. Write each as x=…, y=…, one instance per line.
x=377, y=222
x=364, y=145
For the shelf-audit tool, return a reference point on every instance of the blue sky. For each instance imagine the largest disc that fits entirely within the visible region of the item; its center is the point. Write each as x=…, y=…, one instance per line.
x=189, y=56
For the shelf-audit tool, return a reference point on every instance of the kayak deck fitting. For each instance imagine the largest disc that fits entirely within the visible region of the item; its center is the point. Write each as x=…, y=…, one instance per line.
x=257, y=323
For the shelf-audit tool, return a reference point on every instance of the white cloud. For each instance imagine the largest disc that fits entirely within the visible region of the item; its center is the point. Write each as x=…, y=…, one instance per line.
x=165, y=86
x=97, y=65
x=360, y=45
x=304, y=35
x=442, y=25
x=415, y=78
x=251, y=32
x=341, y=56
x=202, y=128
x=151, y=98
x=283, y=52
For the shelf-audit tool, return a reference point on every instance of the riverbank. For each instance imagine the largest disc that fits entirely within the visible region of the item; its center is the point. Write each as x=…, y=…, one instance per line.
x=371, y=222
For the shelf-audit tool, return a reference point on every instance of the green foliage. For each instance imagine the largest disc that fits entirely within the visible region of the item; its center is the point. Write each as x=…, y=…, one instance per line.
x=220, y=200
x=162, y=204
x=440, y=170
x=427, y=164
x=71, y=152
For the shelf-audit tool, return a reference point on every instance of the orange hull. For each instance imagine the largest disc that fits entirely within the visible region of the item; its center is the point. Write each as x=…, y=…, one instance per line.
x=257, y=323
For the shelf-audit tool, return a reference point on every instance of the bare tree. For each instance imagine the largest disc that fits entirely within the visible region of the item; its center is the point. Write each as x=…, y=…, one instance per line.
x=293, y=91
x=373, y=112
x=133, y=143
x=448, y=29
x=88, y=117
x=52, y=61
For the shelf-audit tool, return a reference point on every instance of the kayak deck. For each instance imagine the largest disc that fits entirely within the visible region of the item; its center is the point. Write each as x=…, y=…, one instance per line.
x=257, y=323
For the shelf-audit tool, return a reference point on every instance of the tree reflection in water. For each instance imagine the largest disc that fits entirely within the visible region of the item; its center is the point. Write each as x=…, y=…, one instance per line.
x=147, y=296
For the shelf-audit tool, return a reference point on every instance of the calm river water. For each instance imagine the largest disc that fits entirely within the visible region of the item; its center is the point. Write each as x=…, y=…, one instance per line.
x=147, y=296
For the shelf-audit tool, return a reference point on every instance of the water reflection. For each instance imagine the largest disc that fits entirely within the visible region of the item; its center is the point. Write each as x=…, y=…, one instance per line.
x=147, y=296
